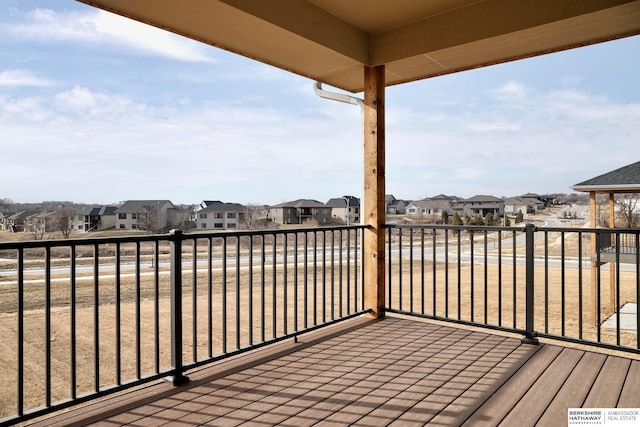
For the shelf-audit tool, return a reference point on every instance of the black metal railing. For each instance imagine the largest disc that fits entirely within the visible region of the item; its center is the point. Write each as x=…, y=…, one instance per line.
x=536, y=281
x=82, y=318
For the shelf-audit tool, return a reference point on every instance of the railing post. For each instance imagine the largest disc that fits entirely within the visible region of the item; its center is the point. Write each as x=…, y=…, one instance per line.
x=177, y=378
x=529, y=337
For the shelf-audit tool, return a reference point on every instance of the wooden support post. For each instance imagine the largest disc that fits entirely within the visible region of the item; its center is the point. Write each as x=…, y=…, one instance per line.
x=374, y=190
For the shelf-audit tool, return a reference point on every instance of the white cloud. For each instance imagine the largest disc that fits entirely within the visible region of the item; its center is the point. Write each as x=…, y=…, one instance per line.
x=23, y=78
x=100, y=27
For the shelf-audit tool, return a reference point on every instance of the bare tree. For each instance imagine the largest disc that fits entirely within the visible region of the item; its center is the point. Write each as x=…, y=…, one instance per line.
x=252, y=219
x=626, y=212
x=184, y=218
x=148, y=219
x=62, y=221
x=37, y=225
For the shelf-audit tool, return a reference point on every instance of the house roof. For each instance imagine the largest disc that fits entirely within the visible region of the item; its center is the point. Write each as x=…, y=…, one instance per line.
x=331, y=40
x=340, y=202
x=482, y=198
x=300, y=203
x=218, y=206
x=622, y=180
x=136, y=205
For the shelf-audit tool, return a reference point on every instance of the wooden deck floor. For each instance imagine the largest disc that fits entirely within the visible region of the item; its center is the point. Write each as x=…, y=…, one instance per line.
x=395, y=371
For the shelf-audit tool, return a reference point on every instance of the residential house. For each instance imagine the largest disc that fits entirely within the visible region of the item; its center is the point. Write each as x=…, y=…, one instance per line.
x=540, y=202
x=19, y=221
x=526, y=205
x=395, y=206
x=4, y=220
x=152, y=215
x=94, y=218
x=420, y=207
x=436, y=205
x=345, y=208
x=480, y=205
x=217, y=215
x=300, y=211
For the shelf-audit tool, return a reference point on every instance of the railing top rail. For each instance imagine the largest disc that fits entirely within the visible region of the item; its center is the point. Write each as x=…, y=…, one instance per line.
x=517, y=228
x=456, y=227
x=25, y=244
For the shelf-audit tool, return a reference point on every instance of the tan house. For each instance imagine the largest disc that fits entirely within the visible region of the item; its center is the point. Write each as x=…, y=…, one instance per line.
x=300, y=211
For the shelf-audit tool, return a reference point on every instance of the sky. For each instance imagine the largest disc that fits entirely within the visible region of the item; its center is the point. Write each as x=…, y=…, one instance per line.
x=95, y=108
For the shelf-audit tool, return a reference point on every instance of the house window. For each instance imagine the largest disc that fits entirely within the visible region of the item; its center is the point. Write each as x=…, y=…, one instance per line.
x=203, y=225
x=203, y=216
x=231, y=225
x=217, y=225
x=122, y=216
x=219, y=215
x=231, y=214
x=134, y=226
x=122, y=226
x=134, y=216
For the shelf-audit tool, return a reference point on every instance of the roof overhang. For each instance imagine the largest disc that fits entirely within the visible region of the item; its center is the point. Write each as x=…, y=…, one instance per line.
x=331, y=40
x=608, y=189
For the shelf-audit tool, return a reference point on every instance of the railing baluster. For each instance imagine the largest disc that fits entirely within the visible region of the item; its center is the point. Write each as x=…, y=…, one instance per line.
x=285, y=282
x=138, y=316
x=20, y=335
x=224, y=294
x=73, y=328
x=96, y=319
x=47, y=326
x=194, y=299
x=118, y=319
x=210, y=295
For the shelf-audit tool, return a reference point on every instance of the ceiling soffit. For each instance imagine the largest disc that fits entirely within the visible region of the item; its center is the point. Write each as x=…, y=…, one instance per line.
x=330, y=40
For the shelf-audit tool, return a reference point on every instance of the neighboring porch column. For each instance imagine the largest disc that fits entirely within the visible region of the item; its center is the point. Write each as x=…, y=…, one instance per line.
x=374, y=190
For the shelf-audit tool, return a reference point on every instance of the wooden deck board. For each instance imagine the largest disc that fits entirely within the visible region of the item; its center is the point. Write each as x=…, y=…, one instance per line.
x=503, y=400
x=535, y=401
x=631, y=389
x=395, y=371
x=574, y=391
x=608, y=384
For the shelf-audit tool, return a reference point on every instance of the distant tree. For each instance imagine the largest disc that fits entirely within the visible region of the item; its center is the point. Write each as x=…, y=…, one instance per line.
x=445, y=217
x=507, y=221
x=5, y=204
x=62, y=221
x=626, y=213
x=489, y=220
x=456, y=220
x=149, y=219
x=251, y=219
x=475, y=220
x=37, y=225
x=184, y=218
x=519, y=217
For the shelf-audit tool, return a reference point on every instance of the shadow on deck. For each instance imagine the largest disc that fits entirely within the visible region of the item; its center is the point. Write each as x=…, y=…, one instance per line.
x=395, y=371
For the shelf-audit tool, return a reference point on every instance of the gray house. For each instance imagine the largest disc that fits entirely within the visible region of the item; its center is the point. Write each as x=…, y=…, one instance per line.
x=480, y=205
x=94, y=218
x=150, y=215
x=217, y=215
x=345, y=208
x=300, y=211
